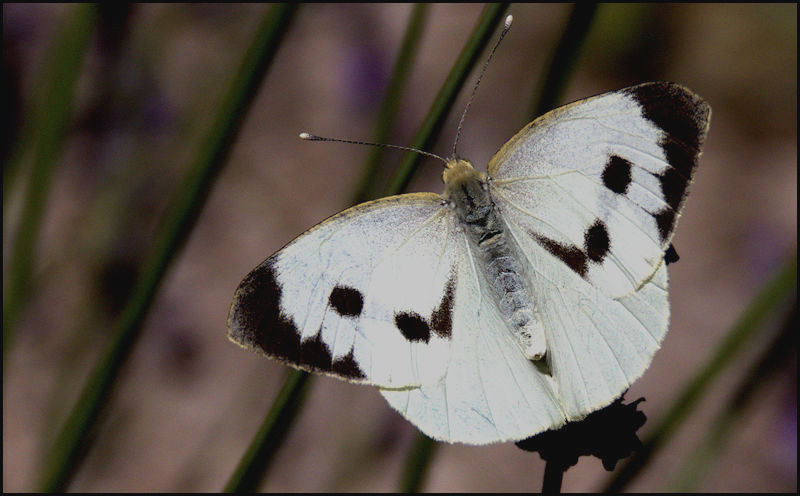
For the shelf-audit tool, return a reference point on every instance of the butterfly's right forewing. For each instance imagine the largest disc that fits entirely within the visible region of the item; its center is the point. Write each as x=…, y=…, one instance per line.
x=600, y=183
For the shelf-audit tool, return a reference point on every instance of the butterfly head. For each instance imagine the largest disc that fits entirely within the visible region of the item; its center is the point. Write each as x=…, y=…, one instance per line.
x=462, y=181
x=459, y=171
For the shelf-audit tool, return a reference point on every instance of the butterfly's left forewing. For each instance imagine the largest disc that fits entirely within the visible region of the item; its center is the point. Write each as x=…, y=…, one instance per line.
x=367, y=295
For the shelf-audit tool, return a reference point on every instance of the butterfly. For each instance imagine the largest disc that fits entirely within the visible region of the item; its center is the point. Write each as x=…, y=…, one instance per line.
x=519, y=299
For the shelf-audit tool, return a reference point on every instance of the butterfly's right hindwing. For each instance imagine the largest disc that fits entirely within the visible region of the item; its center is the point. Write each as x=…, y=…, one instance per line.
x=366, y=295
x=600, y=183
x=597, y=347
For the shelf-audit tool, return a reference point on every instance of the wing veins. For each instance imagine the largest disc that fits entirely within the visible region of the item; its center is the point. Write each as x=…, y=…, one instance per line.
x=571, y=347
x=625, y=272
x=602, y=336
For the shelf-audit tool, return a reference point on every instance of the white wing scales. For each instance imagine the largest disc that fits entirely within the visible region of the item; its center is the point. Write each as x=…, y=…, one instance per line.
x=600, y=182
x=363, y=295
x=391, y=293
x=492, y=393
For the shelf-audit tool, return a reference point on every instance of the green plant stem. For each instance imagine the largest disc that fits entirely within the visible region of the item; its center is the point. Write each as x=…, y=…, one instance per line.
x=553, y=477
x=254, y=464
x=554, y=80
x=491, y=16
x=45, y=135
x=704, y=455
x=432, y=125
x=752, y=319
x=417, y=463
x=73, y=440
x=391, y=101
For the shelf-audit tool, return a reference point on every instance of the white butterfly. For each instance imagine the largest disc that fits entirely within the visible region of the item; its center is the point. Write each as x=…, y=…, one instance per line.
x=515, y=301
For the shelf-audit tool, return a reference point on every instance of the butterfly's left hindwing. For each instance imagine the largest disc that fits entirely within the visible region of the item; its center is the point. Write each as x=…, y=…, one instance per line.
x=367, y=295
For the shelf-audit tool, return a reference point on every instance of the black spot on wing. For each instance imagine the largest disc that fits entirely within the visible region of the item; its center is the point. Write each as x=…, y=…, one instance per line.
x=413, y=326
x=596, y=245
x=442, y=317
x=569, y=254
x=256, y=321
x=596, y=242
x=316, y=355
x=617, y=174
x=346, y=301
x=416, y=328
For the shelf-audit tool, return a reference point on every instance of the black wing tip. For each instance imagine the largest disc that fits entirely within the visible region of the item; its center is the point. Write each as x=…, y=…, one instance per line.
x=256, y=322
x=684, y=117
x=662, y=100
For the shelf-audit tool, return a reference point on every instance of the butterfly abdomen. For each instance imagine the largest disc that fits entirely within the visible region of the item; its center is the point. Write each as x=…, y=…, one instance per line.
x=500, y=260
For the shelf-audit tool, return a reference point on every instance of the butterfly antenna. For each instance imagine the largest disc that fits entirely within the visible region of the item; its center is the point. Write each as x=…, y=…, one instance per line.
x=506, y=27
x=311, y=137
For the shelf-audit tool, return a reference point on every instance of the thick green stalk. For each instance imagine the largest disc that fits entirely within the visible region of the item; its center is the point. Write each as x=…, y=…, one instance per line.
x=74, y=439
x=417, y=463
x=771, y=295
x=565, y=56
x=432, y=125
x=391, y=101
x=254, y=465
x=44, y=133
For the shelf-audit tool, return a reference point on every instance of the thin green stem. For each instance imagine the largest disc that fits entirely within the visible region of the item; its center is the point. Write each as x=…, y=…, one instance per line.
x=74, y=439
x=256, y=461
x=700, y=460
x=432, y=125
x=45, y=133
x=770, y=297
x=391, y=101
x=417, y=463
x=554, y=80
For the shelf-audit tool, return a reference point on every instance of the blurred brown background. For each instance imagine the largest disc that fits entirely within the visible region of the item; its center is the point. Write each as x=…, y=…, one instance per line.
x=189, y=401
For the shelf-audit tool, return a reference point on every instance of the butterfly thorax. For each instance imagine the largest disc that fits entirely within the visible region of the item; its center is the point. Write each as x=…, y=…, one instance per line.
x=468, y=193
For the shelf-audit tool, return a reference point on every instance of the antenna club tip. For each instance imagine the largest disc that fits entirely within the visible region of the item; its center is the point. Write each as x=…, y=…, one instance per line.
x=509, y=20
x=305, y=136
